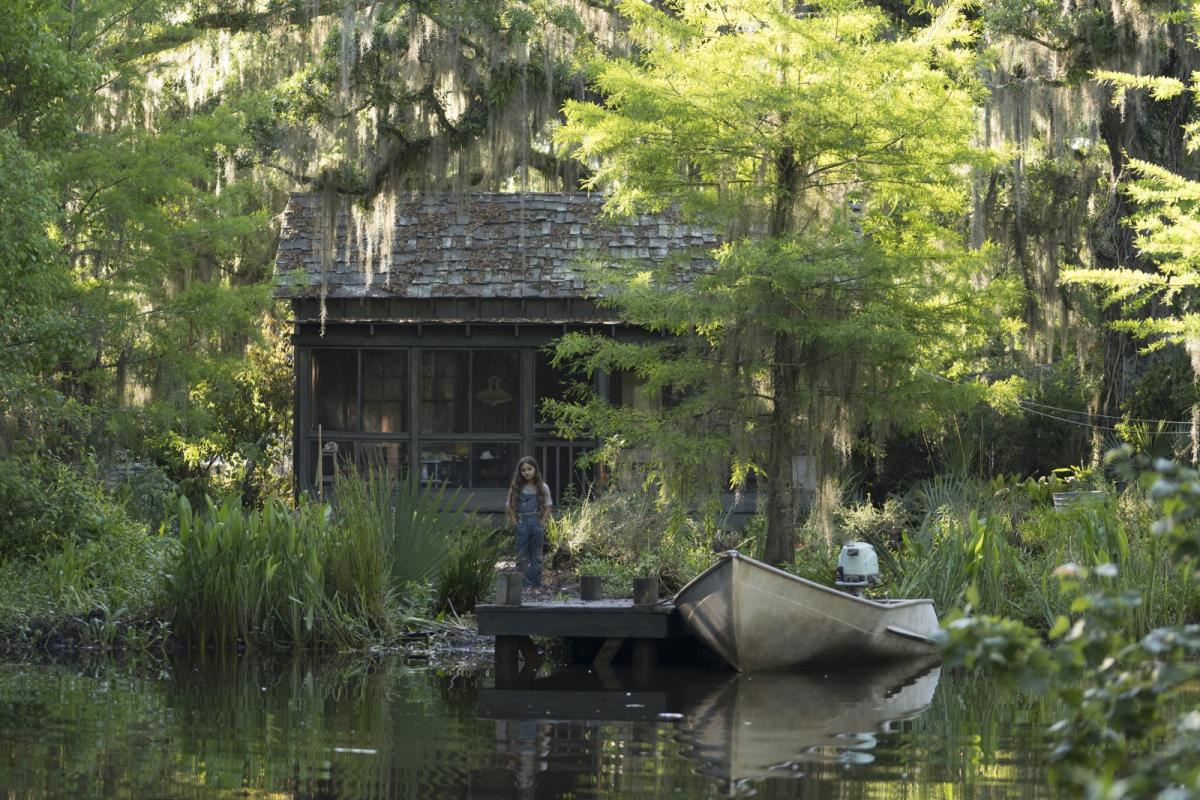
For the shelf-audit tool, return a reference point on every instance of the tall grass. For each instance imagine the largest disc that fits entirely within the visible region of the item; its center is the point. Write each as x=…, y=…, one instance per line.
x=315, y=576
x=469, y=570
x=947, y=558
x=405, y=527
x=252, y=577
x=997, y=546
x=121, y=570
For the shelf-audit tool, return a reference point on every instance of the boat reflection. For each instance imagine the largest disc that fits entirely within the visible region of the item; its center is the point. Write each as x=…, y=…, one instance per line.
x=768, y=724
x=740, y=728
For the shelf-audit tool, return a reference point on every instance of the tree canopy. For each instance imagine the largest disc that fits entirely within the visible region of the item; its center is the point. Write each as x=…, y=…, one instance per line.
x=834, y=153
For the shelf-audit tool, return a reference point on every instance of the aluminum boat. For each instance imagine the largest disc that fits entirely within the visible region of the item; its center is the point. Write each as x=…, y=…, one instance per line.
x=758, y=617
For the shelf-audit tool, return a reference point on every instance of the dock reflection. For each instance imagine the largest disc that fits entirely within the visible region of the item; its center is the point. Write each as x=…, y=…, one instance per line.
x=735, y=728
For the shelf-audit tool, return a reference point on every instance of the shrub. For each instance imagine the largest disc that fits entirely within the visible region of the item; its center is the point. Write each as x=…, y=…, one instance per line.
x=469, y=571
x=1000, y=551
x=1127, y=727
x=45, y=503
x=621, y=535
x=145, y=491
x=122, y=570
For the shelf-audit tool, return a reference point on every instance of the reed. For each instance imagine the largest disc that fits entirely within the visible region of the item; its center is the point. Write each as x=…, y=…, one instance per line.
x=997, y=547
x=251, y=577
x=948, y=559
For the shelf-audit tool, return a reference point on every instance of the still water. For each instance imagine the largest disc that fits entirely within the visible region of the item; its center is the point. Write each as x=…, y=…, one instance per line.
x=253, y=729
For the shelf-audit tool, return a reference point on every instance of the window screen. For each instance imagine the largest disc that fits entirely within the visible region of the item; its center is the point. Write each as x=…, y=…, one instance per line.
x=385, y=391
x=335, y=389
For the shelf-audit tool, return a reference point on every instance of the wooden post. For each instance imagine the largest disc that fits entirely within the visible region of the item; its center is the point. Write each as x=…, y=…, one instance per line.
x=589, y=587
x=645, y=591
x=645, y=660
x=508, y=589
x=507, y=661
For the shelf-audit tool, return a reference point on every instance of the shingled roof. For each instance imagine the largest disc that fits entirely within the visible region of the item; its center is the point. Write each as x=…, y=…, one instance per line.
x=469, y=246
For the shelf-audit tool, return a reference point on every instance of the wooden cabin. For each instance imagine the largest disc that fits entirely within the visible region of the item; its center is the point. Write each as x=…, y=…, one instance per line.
x=423, y=350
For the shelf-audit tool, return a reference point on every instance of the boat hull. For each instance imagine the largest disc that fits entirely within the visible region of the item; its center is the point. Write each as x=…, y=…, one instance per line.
x=758, y=617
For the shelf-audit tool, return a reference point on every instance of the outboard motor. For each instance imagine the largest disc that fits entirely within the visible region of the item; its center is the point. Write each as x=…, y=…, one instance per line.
x=858, y=567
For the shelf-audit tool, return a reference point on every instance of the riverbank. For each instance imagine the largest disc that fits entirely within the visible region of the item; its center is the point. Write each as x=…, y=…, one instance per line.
x=446, y=639
x=77, y=639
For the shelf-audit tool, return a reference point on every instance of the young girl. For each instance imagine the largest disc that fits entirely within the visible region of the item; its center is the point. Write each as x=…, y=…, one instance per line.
x=528, y=507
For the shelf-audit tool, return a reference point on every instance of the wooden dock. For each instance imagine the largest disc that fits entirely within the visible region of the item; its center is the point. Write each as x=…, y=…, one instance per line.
x=613, y=621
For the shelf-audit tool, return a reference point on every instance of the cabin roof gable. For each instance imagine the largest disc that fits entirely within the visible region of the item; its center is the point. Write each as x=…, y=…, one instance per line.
x=484, y=245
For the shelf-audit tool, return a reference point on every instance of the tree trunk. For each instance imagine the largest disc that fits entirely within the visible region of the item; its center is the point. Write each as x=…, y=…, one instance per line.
x=780, y=547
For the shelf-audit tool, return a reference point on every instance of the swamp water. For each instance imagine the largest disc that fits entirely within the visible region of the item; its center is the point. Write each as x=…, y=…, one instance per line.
x=384, y=729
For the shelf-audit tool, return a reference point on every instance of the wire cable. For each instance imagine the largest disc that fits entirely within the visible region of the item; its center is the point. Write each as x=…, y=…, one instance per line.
x=1025, y=403
x=1107, y=416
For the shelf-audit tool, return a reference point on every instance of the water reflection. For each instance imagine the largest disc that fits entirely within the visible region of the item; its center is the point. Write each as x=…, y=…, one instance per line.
x=366, y=729
x=738, y=728
x=764, y=725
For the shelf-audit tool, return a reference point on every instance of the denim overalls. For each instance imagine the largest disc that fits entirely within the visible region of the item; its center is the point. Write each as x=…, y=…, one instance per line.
x=530, y=536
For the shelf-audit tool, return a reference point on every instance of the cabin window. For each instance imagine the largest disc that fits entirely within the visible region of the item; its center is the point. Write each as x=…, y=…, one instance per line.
x=390, y=458
x=628, y=389
x=451, y=417
x=493, y=464
x=495, y=392
x=550, y=383
x=444, y=391
x=327, y=457
x=335, y=390
x=479, y=465
x=445, y=464
x=385, y=391
x=475, y=391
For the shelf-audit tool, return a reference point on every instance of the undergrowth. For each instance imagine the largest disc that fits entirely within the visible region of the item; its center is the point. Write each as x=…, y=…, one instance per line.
x=992, y=545
x=621, y=535
x=996, y=545
x=384, y=558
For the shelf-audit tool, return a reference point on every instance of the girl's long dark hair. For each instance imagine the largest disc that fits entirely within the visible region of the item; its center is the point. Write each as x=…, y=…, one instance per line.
x=514, y=489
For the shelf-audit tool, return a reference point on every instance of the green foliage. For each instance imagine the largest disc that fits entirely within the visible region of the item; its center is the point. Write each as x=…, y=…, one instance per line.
x=1127, y=731
x=253, y=577
x=866, y=521
x=949, y=558
x=1079, y=34
x=119, y=574
x=131, y=262
x=146, y=493
x=413, y=523
x=469, y=571
x=826, y=174
x=995, y=546
x=341, y=576
x=1166, y=226
x=234, y=432
x=624, y=534
x=45, y=503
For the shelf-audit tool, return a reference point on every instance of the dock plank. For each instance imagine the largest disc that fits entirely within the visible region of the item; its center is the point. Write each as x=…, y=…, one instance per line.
x=600, y=619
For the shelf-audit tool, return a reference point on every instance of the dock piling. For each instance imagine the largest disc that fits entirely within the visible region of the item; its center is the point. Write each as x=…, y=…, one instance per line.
x=589, y=587
x=508, y=589
x=645, y=591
